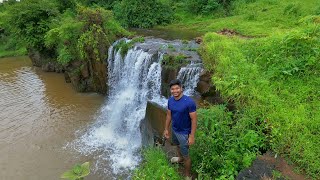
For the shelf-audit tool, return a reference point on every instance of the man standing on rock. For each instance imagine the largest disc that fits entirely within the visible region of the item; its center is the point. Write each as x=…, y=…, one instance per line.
x=182, y=112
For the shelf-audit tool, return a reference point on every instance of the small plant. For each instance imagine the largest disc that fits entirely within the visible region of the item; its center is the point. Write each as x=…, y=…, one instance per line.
x=125, y=46
x=185, y=41
x=277, y=175
x=155, y=166
x=171, y=47
x=174, y=61
x=78, y=172
x=292, y=9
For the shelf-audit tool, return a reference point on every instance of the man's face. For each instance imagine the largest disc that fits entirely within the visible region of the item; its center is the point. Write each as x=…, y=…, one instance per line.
x=176, y=90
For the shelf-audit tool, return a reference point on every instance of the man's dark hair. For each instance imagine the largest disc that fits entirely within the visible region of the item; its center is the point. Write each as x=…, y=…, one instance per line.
x=175, y=82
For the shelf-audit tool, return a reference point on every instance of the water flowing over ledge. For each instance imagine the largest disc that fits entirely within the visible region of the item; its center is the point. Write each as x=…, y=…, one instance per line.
x=134, y=79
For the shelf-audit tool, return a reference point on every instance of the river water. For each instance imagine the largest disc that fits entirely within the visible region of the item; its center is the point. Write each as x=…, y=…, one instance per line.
x=46, y=127
x=39, y=115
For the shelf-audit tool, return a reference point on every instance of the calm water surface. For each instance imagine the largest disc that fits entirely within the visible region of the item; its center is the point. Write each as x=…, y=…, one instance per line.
x=39, y=115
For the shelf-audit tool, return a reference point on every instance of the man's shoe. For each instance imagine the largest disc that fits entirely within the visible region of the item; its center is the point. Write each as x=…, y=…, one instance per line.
x=175, y=160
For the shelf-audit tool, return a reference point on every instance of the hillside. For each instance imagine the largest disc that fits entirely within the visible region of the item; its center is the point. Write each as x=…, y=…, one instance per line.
x=270, y=68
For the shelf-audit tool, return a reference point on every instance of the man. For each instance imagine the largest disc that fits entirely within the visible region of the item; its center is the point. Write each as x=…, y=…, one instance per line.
x=182, y=112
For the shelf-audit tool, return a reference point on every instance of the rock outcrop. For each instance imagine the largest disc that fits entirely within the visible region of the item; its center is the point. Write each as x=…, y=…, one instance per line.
x=83, y=76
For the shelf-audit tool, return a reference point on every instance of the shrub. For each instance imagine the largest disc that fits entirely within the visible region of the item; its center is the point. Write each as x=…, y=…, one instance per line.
x=30, y=19
x=224, y=146
x=274, y=79
x=174, y=61
x=155, y=166
x=83, y=35
x=202, y=6
x=124, y=46
x=142, y=13
x=78, y=172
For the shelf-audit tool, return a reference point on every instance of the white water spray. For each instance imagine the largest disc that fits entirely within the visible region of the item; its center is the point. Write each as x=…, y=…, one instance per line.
x=132, y=81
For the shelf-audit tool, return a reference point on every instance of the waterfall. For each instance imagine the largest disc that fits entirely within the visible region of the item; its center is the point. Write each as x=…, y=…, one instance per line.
x=189, y=77
x=132, y=80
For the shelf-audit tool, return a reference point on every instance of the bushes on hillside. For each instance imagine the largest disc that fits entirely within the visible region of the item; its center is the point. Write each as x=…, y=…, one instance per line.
x=275, y=79
x=202, y=6
x=142, y=13
x=83, y=35
x=206, y=7
x=224, y=146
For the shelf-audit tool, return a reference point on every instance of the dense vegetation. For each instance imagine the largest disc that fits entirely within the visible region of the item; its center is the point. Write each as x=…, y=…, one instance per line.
x=142, y=13
x=156, y=166
x=273, y=80
x=269, y=67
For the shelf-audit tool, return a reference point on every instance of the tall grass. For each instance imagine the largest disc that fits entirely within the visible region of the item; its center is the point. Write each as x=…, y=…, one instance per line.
x=155, y=166
x=275, y=79
x=249, y=17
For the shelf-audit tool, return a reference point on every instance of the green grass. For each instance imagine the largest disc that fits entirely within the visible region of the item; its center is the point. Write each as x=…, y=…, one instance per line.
x=224, y=145
x=155, y=166
x=275, y=79
x=260, y=18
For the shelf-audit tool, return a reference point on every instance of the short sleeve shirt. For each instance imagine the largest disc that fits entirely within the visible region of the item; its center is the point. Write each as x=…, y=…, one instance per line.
x=180, y=109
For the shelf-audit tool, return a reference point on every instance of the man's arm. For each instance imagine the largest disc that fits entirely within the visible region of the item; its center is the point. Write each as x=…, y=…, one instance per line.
x=168, y=121
x=193, y=116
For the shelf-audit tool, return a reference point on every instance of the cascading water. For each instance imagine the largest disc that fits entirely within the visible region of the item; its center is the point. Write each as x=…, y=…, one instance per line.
x=189, y=77
x=132, y=80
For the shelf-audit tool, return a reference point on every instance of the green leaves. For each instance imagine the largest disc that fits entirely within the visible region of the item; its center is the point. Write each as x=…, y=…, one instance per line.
x=224, y=146
x=274, y=83
x=78, y=172
x=202, y=6
x=155, y=166
x=30, y=19
x=142, y=13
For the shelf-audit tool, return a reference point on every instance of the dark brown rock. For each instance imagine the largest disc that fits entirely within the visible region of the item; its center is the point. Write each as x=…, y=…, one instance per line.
x=203, y=87
x=35, y=57
x=85, y=71
x=167, y=74
x=198, y=40
x=48, y=67
x=205, y=76
x=67, y=77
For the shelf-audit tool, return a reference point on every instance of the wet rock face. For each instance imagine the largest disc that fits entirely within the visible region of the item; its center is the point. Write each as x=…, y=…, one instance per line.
x=45, y=61
x=176, y=54
x=207, y=90
x=52, y=67
x=77, y=73
x=167, y=75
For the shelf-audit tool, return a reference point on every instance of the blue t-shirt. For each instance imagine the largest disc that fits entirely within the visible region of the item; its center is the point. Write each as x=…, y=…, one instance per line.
x=180, y=109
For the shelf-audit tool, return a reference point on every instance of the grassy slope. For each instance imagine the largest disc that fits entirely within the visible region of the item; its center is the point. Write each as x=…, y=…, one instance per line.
x=261, y=18
x=274, y=78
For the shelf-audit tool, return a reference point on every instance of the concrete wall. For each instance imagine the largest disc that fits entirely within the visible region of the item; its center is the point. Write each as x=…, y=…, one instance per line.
x=153, y=123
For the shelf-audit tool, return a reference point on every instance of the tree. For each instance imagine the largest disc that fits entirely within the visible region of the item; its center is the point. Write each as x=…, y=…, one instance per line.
x=29, y=20
x=142, y=13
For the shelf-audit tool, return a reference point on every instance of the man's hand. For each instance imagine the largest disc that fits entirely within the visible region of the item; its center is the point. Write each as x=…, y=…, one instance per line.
x=191, y=140
x=166, y=133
